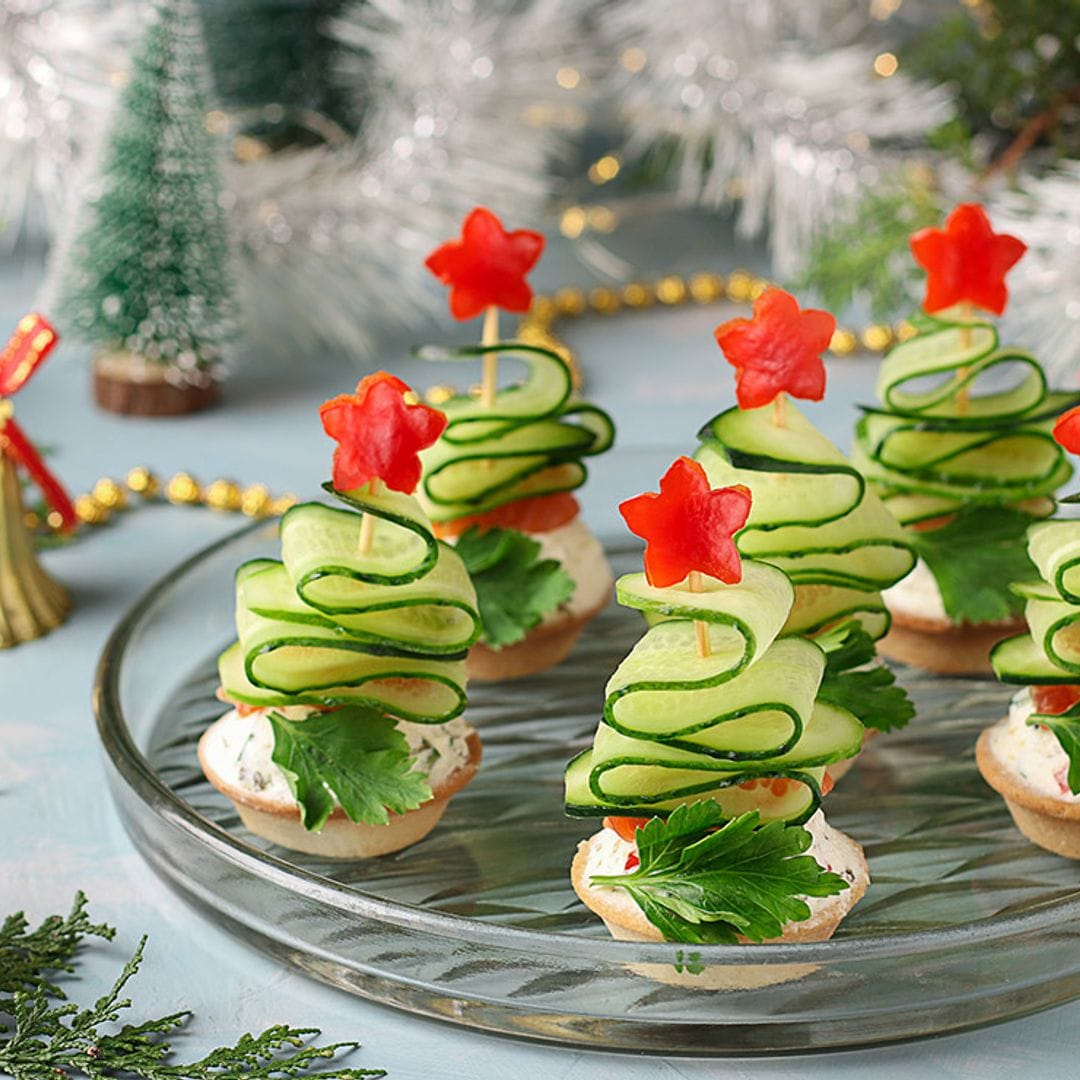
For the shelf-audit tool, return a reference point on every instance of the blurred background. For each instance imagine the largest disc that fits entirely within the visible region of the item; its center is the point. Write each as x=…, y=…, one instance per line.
x=300, y=157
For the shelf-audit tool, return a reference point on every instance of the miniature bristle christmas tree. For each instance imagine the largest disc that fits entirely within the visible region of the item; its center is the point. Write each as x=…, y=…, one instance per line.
x=148, y=276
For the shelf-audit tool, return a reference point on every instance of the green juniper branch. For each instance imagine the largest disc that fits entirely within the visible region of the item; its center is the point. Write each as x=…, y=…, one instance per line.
x=47, y=1037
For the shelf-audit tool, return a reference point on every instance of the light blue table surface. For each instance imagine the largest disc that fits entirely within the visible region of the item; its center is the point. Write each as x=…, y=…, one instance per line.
x=661, y=376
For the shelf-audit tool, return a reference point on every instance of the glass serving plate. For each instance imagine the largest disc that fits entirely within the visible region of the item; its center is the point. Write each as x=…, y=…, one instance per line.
x=965, y=924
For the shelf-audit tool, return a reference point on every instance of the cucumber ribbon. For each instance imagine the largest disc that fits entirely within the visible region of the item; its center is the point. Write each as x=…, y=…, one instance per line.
x=329, y=626
x=813, y=517
x=1050, y=651
x=530, y=442
x=679, y=727
x=949, y=436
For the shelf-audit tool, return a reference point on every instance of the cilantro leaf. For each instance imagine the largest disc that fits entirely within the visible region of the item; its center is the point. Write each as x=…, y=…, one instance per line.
x=514, y=588
x=974, y=558
x=704, y=879
x=871, y=694
x=1066, y=728
x=354, y=754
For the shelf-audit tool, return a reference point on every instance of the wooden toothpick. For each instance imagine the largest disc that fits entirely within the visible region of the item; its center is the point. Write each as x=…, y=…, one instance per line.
x=779, y=410
x=966, y=315
x=367, y=524
x=701, y=628
x=490, y=336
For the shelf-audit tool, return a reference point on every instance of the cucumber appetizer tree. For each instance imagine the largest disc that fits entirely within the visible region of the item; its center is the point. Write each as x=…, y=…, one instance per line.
x=147, y=279
x=31, y=602
x=813, y=515
x=1046, y=660
x=960, y=447
x=364, y=622
x=500, y=479
x=714, y=721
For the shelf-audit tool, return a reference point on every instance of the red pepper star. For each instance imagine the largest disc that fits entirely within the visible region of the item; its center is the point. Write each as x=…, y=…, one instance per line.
x=966, y=262
x=1067, y=430
x=688, y=526
x=379, y=434
x=487, y=266
x=778, y=350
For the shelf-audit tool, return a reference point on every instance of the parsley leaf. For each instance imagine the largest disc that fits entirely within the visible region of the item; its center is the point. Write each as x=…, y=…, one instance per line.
x=704, y=879
x=354, y=753
x=975, y=558
x=45, y=1037
x=514, y=589
x=1066, y=727
x=872, y=694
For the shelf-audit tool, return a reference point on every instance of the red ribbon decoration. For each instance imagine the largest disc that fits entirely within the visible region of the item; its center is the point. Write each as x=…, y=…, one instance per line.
x=379, y=434
x=33, y=340
x=487, y=266
x=688, y=526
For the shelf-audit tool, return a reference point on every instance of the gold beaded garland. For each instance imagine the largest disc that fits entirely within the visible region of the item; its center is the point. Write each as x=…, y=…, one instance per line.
x=143, y=482
x=183, y=489
x=89, y=511
x=222, y=495
x=537, y=327
x=672, y=290
x=108, y=494
x=255, y=500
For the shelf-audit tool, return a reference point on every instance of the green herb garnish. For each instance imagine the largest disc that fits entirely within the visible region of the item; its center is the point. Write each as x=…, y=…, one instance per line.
x=353, y=754
x=872, y=694
x=974, y=558
x=44, y=1037
x=1066, y=729
x=697, y=885
x=514, y=588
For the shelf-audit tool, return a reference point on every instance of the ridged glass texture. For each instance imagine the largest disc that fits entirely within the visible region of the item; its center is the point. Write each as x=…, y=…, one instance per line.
x=966, y=923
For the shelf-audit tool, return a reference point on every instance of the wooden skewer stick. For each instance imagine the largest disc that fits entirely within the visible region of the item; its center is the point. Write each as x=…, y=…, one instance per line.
x=966, y=314
x=701, y=628
x=490, y=336
x=367, y=523
x=779, y=410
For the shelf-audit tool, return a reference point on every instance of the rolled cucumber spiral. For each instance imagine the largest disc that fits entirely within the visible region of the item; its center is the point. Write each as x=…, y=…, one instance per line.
x=328, y=625
x=1050, y=650
x=963, y=422
x=530, y=442
x=812, y=517
x=740, y=726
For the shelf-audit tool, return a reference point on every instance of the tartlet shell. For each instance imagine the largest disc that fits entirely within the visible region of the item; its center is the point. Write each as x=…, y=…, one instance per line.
x=625, y=921
x=278, y=820
x=945, y=647
x=1053, y=824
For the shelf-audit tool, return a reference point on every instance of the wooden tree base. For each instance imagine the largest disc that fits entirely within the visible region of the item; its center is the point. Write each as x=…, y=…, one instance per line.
x=31, y=602
x=128, y=384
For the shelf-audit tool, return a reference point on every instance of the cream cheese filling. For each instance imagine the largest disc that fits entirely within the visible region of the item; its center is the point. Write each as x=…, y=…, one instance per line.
x=917, y=595
x=608, y=853
x=1031, y=753
x=239, y=750
x=581, y=555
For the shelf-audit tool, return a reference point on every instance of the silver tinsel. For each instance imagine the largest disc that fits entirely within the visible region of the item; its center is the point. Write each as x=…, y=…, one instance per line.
x=1044, y=290
x=770, y=104
x=59, y=62
x=462, y=105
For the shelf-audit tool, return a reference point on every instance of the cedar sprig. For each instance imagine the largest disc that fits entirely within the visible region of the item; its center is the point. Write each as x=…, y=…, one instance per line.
x=48, y=1037
x=28, y=956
